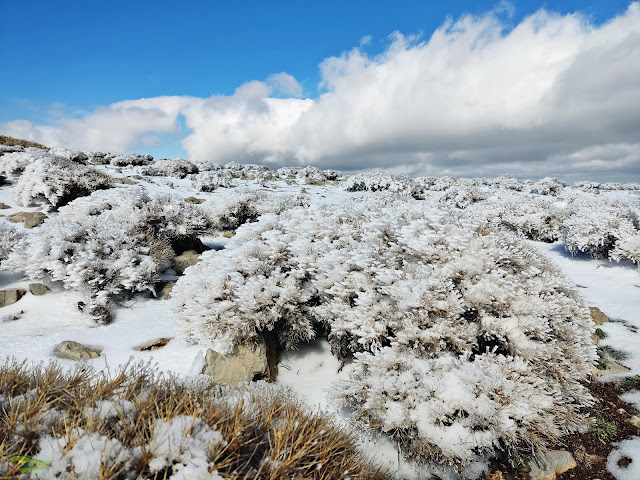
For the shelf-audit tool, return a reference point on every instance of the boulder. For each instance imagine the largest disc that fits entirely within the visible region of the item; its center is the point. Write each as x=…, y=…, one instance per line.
x=124, y=181
x=635, y=421
x=228, y=233
x=246, y=363
x=597, y=316
x=38, y=289
x=4, y=206
x=154, y=344
x=188, y=258
x=554, y=463
x=75, y=351
x=612, y=367
x=30, y=219
x=10, y=296
x=165, y=291
x=194, y=200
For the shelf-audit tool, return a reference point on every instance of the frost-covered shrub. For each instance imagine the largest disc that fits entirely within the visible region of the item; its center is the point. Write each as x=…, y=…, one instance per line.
x=548, y=186
x=462, y=197
x=627, y=247
x=110, y=242
x=165, y=167
x=444, y=183
x=611, y=186
x=100, y=158
x=57, y=181
x=9, y=236
x=379, y=181
x=73, y=155
x=507, y=182
x=427, y=307
x=632, y=186
x=131, y=159
x=244, y=206
x=15, y=162
x=207, y=165
x=597, y=231
x=211, y=180
x=586, y=186
x=4, y=149
x=246, y=171
x=537, y=220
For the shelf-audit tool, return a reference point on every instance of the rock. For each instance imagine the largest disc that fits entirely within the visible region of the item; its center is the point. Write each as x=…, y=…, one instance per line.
x=153, y=344
x=4, y=206
x=597, y=316
x=228, y=233
x=188, y=258
x=612, y=367
x=555, y=462
x=124, y=181
x=496, y=476
x=30, y=219
x=38, y=289
x=595, y=459
x=165, y=291
x=244, y=364
x=595, y=338
x=635, y=421
x=75, y=351
x=194, y=200
x=11, y=296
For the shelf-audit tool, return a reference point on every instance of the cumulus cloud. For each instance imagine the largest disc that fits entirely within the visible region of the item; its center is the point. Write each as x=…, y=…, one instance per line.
x=553, y=95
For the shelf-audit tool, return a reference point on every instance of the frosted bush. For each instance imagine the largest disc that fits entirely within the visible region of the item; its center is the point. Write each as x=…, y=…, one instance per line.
x=536, y=220
x=207, y=165
x=378, y=181
x=597, y=231
x=231, y=211
x=16, y=162
x=108, y=243
x=548, y=186
x=165, y=167
x=586, y=186
x=444, y=183
x=463, y=196
x=9, y=236
x=73, y=155
x=611, y=186
x=507, y=182
x=57, y=181
x=10, y=148
x=209, y=181
x=100, y=158
x=465, y=341
x=627, y=247
x=131, y=159
x=246, y=171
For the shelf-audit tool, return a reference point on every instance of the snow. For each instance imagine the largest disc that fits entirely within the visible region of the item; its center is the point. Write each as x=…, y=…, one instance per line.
x=312, y=372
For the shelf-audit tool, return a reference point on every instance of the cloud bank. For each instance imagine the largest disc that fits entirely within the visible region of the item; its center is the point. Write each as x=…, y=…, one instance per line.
x=553, y=95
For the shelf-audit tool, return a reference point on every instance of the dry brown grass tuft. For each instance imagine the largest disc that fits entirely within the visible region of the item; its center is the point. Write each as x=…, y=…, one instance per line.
x=4, y=140
x=266, y=433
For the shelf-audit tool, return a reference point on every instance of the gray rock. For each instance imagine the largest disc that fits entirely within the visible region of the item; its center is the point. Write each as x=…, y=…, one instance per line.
x=188, y=258
x=38, y=289
x=30, y=219
x=194, y=200
x=124, y=180
x=11, y=296
x=75, y=351
x=554, y=463
x=611, y=368
x=597, y=316
x=4, y=206
x=246, y=363
x=165, y=291
x=154, y=344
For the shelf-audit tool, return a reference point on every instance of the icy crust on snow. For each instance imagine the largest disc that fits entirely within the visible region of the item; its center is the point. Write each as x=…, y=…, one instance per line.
x=422, y=304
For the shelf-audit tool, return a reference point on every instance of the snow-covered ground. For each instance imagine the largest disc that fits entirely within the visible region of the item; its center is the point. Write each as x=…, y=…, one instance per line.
x=33, y=326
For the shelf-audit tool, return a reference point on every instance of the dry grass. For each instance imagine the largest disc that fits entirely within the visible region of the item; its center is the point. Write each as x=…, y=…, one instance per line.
x=267, y=434
x=4, y=140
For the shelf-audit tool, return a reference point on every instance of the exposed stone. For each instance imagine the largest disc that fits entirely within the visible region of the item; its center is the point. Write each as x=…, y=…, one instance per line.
x=11, y=296
x=554, y=463
x=595, y=338
x=39, y=289
x=597, y=316
x=595, y=459
x=194, y=200
x=30, y=219
x=612, y=367
x=75, y=351
x=635, y=421
x=4, y=206
x=181, y=262
x=153, y=344
x=228, y=233
x=165, y=291
x=244, y=364
x=124, y=181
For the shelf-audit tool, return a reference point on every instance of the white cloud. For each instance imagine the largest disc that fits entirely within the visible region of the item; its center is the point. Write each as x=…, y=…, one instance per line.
x=554, y=95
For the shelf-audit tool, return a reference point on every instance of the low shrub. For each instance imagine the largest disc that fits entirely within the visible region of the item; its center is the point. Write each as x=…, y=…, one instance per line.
x=165, y=167
x=211, y=180
x=548, y=186
x=57, y=181
x=131, y=160
x=381, y=181
x=536, y=220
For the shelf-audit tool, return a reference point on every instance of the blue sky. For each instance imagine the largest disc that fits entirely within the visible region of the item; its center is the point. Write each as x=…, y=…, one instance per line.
x=67, y=59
